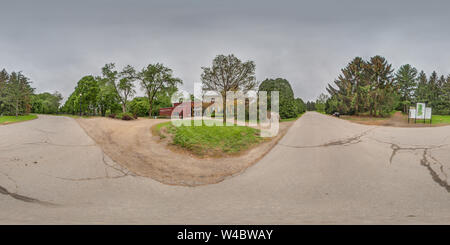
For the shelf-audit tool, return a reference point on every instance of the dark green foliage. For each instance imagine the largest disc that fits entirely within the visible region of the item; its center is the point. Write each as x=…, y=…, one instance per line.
x=84, y=100
x=288, y=109
x=46, y=103
x=121, y=83
x=107, y=99
x=435, y=91
x=289, y=106
x=15, y=93
x=370, y=88
x=406, y=82
x=139, y=106
x=364, y=87
x=157, y=80
x=310, y=106
x=110, y=93
x=320, y=104
x=301, y=106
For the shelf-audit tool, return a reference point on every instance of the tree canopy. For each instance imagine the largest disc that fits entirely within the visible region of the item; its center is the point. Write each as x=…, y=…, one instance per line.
x=15, y=93
x=371, y=87
x=157, y=79
x=289, y=107
x=113, y=90
x=228, y=73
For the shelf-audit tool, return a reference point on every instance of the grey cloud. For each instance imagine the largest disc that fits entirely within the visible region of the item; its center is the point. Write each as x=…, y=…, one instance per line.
x=307, y=42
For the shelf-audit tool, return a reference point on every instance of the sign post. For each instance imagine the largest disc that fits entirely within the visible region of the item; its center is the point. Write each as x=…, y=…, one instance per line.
x=428, y=114
x=420, y=112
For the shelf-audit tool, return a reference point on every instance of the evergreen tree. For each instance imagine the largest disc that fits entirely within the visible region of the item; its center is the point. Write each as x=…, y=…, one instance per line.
x=381, y=85
x=352, y=85
x=288, y=106
x=18, y=94
x=406, y=82
x=4, y=77
x=433, y=88
x=421, y=93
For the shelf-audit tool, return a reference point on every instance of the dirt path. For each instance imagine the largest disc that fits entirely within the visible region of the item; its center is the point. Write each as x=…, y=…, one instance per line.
x=398, y=119
x=131, y=144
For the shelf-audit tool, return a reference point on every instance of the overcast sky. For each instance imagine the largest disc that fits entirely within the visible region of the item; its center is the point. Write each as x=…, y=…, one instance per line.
x=57, y=42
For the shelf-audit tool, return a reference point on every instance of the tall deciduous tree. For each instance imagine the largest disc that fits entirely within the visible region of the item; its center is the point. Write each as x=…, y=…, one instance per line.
x=122, y=83
x=156, y=78
x=107, y=98
x=87, y=90
x=228, y=73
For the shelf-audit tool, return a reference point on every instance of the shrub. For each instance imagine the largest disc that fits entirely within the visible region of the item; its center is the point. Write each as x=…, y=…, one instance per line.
x=125, y=116
x=139, y=106
x=288, y=106
x=112, y=115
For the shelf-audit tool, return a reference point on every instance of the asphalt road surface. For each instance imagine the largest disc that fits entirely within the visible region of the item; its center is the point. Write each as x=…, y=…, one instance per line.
x=324, y=171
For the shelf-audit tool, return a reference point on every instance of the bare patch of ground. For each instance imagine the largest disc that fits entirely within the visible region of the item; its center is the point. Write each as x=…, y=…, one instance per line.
x=396, y=120
x=131, y=144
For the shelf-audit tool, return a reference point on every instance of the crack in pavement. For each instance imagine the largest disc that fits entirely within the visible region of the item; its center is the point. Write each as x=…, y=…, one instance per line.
x=396, y=148
x=23, y=198
x=341, y=142
x=11, y=179
x=124, y=173
x=426, y=163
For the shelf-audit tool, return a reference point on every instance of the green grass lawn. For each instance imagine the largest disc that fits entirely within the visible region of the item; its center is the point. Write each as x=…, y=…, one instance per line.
x=291, y=119
x=441, y=119
x=13, y=119
x=210, y=140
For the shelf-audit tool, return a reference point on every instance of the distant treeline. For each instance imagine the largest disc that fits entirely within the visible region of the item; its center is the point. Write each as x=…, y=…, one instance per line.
x=15, y=93
x=17, y=96
x=373, y=88
x=113, y=90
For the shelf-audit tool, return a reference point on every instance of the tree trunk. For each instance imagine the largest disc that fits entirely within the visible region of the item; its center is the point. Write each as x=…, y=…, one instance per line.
x=123, y=107
x=224, y=108
x=150, y=102
x=375, y=109
x=17, y=108
x=150, y=110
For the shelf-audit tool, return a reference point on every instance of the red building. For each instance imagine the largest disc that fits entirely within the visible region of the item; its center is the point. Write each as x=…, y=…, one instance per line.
x=182, y=109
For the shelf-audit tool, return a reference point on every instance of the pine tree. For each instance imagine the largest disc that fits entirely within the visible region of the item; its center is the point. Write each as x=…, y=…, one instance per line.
x=18, y=94
x=350, y=86
x=381, y=84
x=406, y=82
x=4, y=77
x=421, y=93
